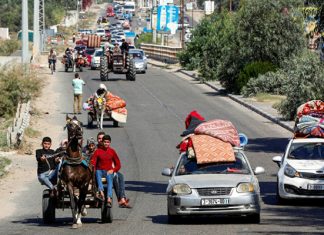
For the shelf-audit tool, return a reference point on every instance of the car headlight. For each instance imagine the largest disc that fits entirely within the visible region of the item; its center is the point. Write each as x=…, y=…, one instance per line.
x=245, y=188
x=291, y=172
x=181, y=189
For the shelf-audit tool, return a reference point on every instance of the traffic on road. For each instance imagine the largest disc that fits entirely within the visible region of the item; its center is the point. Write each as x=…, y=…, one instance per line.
x=156, y=152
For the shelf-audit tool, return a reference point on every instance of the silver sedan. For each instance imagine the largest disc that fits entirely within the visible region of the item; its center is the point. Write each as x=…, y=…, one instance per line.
x=213, y=189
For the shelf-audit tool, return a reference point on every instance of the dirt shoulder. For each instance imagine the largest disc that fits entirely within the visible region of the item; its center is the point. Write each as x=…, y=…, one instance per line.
x=23, y=166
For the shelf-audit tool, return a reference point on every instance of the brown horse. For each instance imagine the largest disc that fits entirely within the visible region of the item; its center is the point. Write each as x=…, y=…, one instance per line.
x=74, y=175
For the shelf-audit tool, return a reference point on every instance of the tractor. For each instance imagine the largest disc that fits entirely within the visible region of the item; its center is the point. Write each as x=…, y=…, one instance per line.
x=115, y=65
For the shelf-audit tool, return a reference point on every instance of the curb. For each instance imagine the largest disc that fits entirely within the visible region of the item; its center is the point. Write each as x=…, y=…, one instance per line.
x=238, y=100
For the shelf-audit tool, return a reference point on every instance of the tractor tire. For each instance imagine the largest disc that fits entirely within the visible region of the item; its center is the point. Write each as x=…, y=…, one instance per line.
x=48, y=205
x=104, y=68
x=131, y=70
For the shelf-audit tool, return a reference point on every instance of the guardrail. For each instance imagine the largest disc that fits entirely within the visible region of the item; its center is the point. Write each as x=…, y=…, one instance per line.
x=162, y=53
x=15, y=132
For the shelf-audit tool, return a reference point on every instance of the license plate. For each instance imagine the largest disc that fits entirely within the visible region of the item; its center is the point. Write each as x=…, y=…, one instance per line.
x=315, y=186
x=214, y=201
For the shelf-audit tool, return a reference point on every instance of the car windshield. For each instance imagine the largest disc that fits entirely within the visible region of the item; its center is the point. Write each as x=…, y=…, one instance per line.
x=98, y=53
x=189, y=166
x=306, y=151
x=129, y=7
x=90, y=51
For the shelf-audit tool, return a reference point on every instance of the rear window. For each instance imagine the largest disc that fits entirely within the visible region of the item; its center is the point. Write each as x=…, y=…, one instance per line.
x=189, y=166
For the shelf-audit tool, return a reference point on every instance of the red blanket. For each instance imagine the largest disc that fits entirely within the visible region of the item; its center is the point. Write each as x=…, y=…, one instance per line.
x=221, y=129
x=209, y=149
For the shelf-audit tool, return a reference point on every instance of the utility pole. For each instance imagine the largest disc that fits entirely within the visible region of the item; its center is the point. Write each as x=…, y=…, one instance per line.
x=24, y=31
x=77, y=15
x=154, y=28
x=36, y=37
x=182, y=25
x=42, y=24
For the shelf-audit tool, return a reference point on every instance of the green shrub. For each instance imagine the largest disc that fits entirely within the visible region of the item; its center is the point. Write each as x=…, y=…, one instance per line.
x=7, y=47
x=16, y=87
x=3, y=163
x=252, y=70
x=300, y=79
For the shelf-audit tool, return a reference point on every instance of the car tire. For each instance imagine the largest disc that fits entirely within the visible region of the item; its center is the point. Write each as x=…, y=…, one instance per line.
x=92, y=68
x=280, y=200
x=173, y=219
x=254, y=218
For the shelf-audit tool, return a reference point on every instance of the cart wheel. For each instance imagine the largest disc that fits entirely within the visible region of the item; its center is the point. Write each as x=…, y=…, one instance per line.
x=48, y=208
x=90, y=121
x=106, y=213
x=115, y=123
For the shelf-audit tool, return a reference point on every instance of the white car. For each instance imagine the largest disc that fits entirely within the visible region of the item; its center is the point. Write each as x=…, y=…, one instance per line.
x=95, y=60
x=100, y=32
x=301, y=173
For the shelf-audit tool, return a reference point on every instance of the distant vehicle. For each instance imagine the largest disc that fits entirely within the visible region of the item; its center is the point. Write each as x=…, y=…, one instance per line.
x=100, y=32
x=226, y=189
x=110, y=11
x=126, y=24
x=107, y=34
x=95, y=61
x=80, y=48
x=89, y=53
x=301, y=170
x=139, y=59
x=185, y=22
x=85, y=31
x=130, y=6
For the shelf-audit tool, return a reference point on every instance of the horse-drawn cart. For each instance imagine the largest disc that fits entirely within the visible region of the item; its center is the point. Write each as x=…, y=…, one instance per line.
x=75, y=180
x=62, y=201
x=108, y=108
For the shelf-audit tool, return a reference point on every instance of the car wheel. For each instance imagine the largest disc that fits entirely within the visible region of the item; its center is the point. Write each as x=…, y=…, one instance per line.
x=144, y=71
x=280, y=200
x=173, y=219
x=254, y=218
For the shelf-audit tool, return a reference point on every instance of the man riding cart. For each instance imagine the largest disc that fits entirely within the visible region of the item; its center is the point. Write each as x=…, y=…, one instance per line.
x=104, y=104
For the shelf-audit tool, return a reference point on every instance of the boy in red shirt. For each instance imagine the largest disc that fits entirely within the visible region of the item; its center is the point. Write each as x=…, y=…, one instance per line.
x=106, y=162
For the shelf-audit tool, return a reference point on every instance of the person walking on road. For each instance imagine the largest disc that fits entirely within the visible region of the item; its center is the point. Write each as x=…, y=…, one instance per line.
x=73, y=38
x=77, y=84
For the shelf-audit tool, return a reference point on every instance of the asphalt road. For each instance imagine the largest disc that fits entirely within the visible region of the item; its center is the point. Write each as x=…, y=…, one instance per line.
x=158, y=103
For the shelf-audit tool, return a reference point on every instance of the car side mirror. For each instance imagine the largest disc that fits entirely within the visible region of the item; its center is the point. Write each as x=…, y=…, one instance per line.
x=277, y=159
x=167, y=171
x=259, y=170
